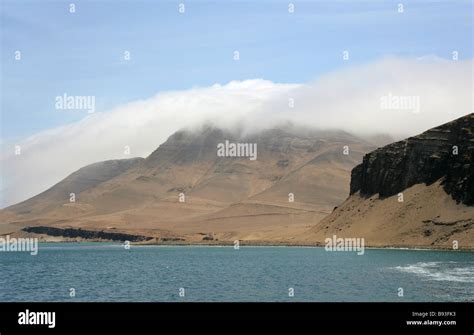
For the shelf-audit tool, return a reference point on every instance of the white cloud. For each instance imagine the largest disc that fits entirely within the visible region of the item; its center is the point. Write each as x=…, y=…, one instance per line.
x=348, y=99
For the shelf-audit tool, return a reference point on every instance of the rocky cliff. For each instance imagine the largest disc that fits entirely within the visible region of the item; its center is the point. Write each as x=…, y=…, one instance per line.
x=86, y=234
x=445, y=152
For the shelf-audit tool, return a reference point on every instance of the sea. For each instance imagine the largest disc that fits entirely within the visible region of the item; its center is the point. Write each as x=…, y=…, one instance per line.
x=108, y=272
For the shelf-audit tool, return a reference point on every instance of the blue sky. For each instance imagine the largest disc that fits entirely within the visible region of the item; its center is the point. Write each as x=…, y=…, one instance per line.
x=82, y=53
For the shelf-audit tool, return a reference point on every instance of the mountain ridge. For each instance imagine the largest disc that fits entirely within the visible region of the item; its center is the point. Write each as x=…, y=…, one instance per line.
x=294, y=193
x=219, y=193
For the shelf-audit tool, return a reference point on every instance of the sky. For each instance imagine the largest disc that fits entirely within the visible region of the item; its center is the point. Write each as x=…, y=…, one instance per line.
x=182, y=71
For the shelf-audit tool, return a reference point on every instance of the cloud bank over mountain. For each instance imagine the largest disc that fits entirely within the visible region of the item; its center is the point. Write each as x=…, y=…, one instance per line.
x=422, y=93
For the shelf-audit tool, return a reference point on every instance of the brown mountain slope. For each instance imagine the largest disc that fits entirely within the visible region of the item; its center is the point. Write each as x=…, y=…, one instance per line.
x=57, y=198
x=415, y=192
x=227, y=196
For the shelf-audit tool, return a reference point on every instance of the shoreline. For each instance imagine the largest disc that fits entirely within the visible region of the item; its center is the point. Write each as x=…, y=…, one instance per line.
x=260, y=244
x=138, y=238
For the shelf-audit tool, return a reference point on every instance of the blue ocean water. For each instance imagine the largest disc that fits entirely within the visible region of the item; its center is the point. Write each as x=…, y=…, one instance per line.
x=109, y=272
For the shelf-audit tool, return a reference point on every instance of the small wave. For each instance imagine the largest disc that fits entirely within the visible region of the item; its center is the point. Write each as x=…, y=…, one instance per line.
x=441, y=271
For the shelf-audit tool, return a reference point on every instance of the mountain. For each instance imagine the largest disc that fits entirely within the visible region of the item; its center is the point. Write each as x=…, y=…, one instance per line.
x=55, y=199
x=83, y=179
x=415, y=192
x=225, y=198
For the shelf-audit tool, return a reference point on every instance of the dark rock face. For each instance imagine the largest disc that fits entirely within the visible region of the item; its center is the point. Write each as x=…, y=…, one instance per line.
x=87, y=234
x=422, y=159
